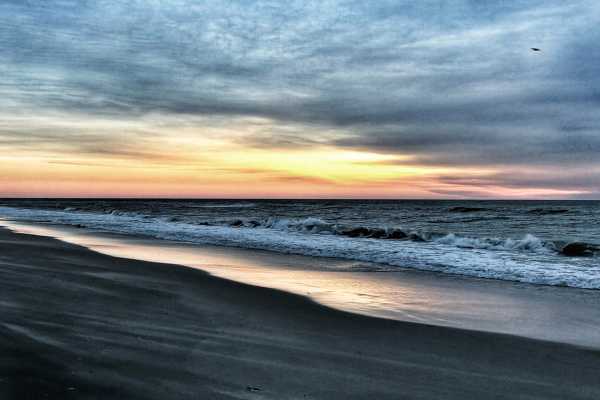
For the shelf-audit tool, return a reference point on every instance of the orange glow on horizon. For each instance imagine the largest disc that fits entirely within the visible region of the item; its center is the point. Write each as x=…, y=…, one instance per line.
x=188, y=160
x=253, y=174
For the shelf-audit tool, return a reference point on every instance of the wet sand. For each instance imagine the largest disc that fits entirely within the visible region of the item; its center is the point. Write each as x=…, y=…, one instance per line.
x=79, y=324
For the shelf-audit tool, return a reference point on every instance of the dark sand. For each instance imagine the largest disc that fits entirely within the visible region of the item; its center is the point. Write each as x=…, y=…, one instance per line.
x=78, y=324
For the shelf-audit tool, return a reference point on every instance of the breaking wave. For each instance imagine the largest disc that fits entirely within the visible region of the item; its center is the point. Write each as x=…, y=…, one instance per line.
x=313, y=225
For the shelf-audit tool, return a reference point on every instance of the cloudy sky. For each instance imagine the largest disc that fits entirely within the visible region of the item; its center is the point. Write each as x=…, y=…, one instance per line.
x=329, y=98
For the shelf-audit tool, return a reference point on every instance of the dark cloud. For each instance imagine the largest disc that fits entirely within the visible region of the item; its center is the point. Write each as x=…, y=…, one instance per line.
x=582, y=183
x=457, y=193
x=571, y=180
x=495, y=146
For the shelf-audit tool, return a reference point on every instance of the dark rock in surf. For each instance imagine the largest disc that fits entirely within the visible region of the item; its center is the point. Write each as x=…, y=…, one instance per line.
x=578, y=249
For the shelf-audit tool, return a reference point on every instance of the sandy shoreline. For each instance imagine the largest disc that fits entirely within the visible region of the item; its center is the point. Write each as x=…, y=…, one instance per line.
x=557, y=314
x=78, y=324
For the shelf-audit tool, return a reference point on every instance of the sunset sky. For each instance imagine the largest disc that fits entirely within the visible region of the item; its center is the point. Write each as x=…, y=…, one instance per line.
x=332, y=98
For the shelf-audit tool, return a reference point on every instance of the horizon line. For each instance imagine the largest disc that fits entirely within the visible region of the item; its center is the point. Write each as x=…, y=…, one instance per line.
x=290, y=198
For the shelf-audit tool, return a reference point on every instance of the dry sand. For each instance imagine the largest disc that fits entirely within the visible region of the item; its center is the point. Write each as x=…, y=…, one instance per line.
x=78, y=324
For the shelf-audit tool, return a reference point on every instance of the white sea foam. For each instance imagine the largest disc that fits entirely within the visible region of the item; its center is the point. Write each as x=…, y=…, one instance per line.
x=489, y=258
x=527, y=243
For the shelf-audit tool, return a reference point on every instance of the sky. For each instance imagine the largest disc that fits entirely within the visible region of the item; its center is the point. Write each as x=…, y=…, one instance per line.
x=307, y=99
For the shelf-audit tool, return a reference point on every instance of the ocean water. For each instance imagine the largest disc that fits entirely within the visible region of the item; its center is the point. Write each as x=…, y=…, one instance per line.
x=540, y=242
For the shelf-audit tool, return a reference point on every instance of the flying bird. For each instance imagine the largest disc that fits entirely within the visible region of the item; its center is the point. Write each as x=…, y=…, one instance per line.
x=535, y=49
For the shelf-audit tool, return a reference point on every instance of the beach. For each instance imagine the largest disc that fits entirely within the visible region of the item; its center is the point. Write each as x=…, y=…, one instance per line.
x=79, y=324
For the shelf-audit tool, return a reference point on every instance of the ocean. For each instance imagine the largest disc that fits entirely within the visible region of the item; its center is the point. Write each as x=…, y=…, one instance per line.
x=540, y=242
